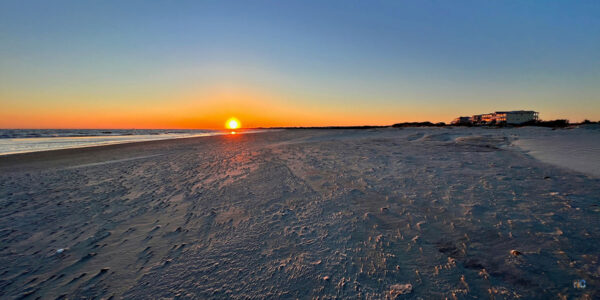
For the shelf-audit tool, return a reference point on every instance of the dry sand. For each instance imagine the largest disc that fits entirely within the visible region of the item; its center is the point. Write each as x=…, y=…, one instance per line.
x=411, y=213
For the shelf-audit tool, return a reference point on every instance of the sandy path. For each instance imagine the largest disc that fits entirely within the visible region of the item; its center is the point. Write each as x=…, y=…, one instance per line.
x=298, y=214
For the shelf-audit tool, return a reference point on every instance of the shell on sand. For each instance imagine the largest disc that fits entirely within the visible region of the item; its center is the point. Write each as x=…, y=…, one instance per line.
x=399, y=289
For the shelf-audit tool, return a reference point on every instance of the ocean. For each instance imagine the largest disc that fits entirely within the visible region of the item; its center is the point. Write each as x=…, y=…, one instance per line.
x=14, y=141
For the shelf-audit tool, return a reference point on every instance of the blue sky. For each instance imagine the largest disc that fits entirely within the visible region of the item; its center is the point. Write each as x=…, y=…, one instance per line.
x=321, y=63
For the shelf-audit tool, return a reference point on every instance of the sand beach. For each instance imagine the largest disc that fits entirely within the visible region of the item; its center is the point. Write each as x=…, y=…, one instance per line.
x=411, y=213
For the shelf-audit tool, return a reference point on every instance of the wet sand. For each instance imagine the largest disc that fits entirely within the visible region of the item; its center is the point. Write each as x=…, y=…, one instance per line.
x=408, y=213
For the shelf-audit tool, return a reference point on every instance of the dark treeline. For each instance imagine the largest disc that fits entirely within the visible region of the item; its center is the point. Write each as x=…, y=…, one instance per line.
x=560, y=123
x=419, y=124
x=327, y=127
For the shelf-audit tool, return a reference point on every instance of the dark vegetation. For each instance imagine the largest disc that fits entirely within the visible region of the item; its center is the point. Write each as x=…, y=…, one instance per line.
x=328, y=127
x=560, y=123
x=419, y=124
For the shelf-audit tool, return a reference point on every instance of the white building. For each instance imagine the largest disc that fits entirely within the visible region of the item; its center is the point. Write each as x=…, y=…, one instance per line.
x=506, y=117
x=515, y=116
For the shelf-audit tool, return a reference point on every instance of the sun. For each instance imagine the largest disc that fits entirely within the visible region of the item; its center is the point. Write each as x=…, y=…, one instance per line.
x=233, y=123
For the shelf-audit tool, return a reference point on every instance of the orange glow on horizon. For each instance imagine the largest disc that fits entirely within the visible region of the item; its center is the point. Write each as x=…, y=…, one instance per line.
x=204, y=107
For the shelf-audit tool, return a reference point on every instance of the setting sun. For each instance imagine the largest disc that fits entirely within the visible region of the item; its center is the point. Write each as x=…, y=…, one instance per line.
x=232, y=123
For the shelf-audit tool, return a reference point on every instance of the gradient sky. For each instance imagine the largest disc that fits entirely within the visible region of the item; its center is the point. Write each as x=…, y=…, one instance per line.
x=193, y=64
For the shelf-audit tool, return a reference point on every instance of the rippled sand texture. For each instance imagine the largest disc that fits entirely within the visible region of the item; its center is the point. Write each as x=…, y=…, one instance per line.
x=410, y=213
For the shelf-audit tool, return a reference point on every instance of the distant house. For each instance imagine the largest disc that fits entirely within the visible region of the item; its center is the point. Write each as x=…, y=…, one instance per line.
x=500, y=117
x=488, y=118
x=516, y=116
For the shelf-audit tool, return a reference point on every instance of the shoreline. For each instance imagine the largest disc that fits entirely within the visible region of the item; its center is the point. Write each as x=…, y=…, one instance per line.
x=117, y=142
x=31, y=158
x=399, y=126
x=524, y=142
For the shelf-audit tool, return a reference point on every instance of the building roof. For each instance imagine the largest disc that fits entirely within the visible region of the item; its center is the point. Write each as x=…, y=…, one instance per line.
x=515, y=111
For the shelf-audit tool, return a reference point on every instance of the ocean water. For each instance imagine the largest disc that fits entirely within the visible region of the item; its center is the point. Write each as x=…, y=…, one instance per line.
x=14, y=141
